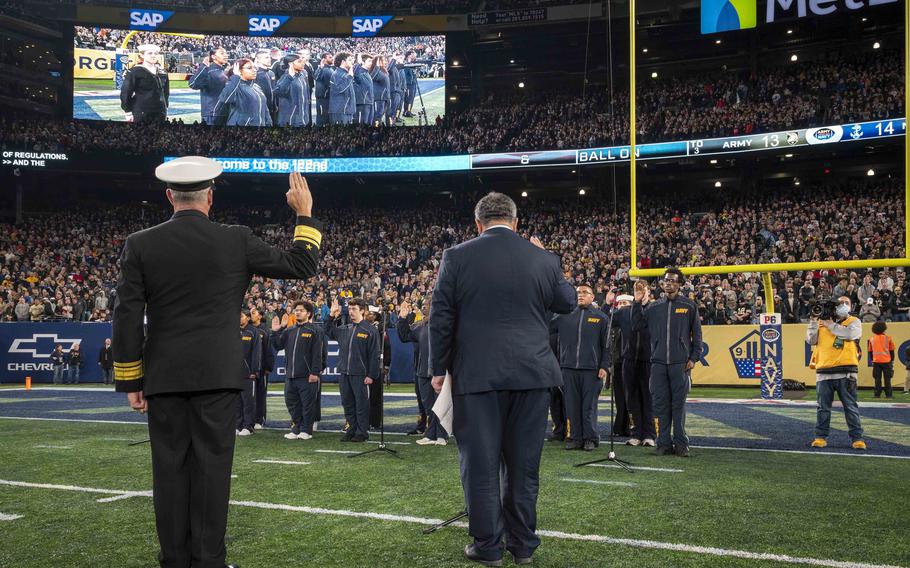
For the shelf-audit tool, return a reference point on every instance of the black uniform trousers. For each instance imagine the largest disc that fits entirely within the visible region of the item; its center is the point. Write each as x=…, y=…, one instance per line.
x=355, y=398
x=192, y=437
x=300, y=396
x=558, y=413
x=621, y=417
x=261, y=396
x=395, y=107
x=427, y=396
x=364, y=114
x=635, y=377
x=246, y=406
x=670, y=385
x=581, y=387
x=882, y=371
x=501, y=433
x=380, y=108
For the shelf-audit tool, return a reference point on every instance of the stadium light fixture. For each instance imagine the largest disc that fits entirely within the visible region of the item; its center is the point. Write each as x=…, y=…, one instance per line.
x=717, y=42
x=789, y=32
x=870, y=173
x=455, y=63
x=654, y=74
x=793, y=57
x=524, y=193
x=453, y=98
x=718, y=184
x=521, y=85
x=511, y=61
x=573, y=171
x=865, y=19
x=644, y=50
x=581, y=192
x=788, y=155
x=876, y=45
x=713, y=161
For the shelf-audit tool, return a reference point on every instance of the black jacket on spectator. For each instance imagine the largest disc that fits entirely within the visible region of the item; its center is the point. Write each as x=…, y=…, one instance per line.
x=209, y=80
x=188, y=275
x=305, y=350
x=266, y=82
x=363, y=86
x=74, y=358
x=58, y=358
x=106, y=357
x=581, y=339
x=381, y=90
x=323, y=81
x=419, y=334
x=359, y=347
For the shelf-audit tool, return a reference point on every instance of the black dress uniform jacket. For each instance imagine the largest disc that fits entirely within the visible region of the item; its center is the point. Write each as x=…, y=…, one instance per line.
x=305, y=350
x=359, y=346
x=582, y=339
x=188, y=275
x=145, y=93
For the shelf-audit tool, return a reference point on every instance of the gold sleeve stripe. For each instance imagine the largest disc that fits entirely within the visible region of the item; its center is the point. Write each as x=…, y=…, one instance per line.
x=133, y=365
x=120, y=375
x=308, y=234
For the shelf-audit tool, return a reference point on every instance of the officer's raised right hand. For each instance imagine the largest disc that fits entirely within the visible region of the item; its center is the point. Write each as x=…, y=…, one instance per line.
x=299, y=197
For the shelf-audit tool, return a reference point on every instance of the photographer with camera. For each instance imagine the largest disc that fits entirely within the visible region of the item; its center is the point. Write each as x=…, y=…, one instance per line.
x=835, y=334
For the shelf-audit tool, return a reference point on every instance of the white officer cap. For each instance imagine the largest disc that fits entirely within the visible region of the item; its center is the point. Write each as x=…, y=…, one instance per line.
x=189, y=173
x=624, y=298
x=145, y=48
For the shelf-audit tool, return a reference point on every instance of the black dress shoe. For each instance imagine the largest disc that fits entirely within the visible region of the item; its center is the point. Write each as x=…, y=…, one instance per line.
x=682, y=452
x=573, y=445
x=589, y=445
x=520, y=560
x=470, y=552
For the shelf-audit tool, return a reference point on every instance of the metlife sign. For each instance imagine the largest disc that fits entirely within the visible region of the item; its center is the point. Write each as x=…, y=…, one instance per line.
x=368, y=26
x=148, y=20
x=265, y=25
x=730, y=15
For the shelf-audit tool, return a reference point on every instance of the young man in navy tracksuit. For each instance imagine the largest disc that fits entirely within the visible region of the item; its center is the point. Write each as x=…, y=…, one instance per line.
x=250, y=367
x=358, y=363
x=305, y=357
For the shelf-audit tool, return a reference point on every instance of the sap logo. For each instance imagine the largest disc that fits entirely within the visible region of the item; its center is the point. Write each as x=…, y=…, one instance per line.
x=29, y=367
x=260, y=25
x=148, y=20
x=726, y=15
x=816, y=7
x=824, y=135
x=368, y=26
x=41, y=345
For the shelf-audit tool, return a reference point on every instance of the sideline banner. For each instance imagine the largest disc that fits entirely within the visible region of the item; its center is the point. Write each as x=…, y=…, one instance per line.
x=27, y=347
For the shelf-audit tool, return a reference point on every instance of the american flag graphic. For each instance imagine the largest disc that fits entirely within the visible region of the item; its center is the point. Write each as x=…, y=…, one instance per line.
x=748, y=367
x=747, y=357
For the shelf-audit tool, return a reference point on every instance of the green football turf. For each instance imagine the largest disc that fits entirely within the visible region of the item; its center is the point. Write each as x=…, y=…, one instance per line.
x=434, y=102
x=840, y=508
x=100, y=84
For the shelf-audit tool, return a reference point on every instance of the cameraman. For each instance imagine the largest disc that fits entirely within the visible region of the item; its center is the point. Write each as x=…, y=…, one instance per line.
x=836, y=369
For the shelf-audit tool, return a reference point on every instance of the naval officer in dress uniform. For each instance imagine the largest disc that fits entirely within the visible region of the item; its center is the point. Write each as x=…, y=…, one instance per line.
x=187, y=277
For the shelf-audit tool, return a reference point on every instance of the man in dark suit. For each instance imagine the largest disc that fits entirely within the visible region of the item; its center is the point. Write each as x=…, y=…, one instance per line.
x=492, y=306
x=188, y=276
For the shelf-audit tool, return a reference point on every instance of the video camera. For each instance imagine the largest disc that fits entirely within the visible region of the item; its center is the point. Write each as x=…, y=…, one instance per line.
x=417, y=63
x=823, y=309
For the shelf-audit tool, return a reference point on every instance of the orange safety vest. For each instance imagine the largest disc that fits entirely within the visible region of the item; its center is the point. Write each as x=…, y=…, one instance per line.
x=881, y=346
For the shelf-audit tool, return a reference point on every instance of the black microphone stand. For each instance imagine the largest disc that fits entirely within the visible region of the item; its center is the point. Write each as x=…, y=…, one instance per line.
x=611, y=456
x=382, y=447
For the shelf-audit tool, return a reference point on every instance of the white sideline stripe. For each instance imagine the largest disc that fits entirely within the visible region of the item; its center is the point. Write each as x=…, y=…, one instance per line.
x=127, y=495
x=71, y=420
x=282, y=462
x=48, y=447
x=806, y=452
x=389, y=443
x=5, y=517
x=552, y=534
x=596, y=482
x=638, y=468
x=335, y=452
x=233, y=476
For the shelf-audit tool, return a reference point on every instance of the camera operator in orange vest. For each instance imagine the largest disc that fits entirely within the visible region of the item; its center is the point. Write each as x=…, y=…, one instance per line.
x=881, y=348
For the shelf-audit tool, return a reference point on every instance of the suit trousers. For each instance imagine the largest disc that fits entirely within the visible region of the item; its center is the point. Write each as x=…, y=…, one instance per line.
x=558, y=413
x=500, y=438
x=355, y=398
x=581, y=387
x=670, y=385
x=192, y=437
x=635, y=377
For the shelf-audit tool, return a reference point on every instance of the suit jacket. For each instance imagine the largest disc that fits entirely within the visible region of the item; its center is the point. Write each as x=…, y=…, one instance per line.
x=492, y=306
x=188, y=276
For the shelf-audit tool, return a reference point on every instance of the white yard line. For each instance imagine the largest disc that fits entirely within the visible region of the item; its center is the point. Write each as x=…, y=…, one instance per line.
x=855, y=454
x=335, y=452
x=122, y=496
x=6, y=517
x=281, y=462
x=48, y=447
x=637, y=468
x=635, y=543
x=596, y=482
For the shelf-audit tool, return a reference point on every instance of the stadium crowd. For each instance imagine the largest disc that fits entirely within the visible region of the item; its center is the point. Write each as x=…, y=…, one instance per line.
x=53, y=267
